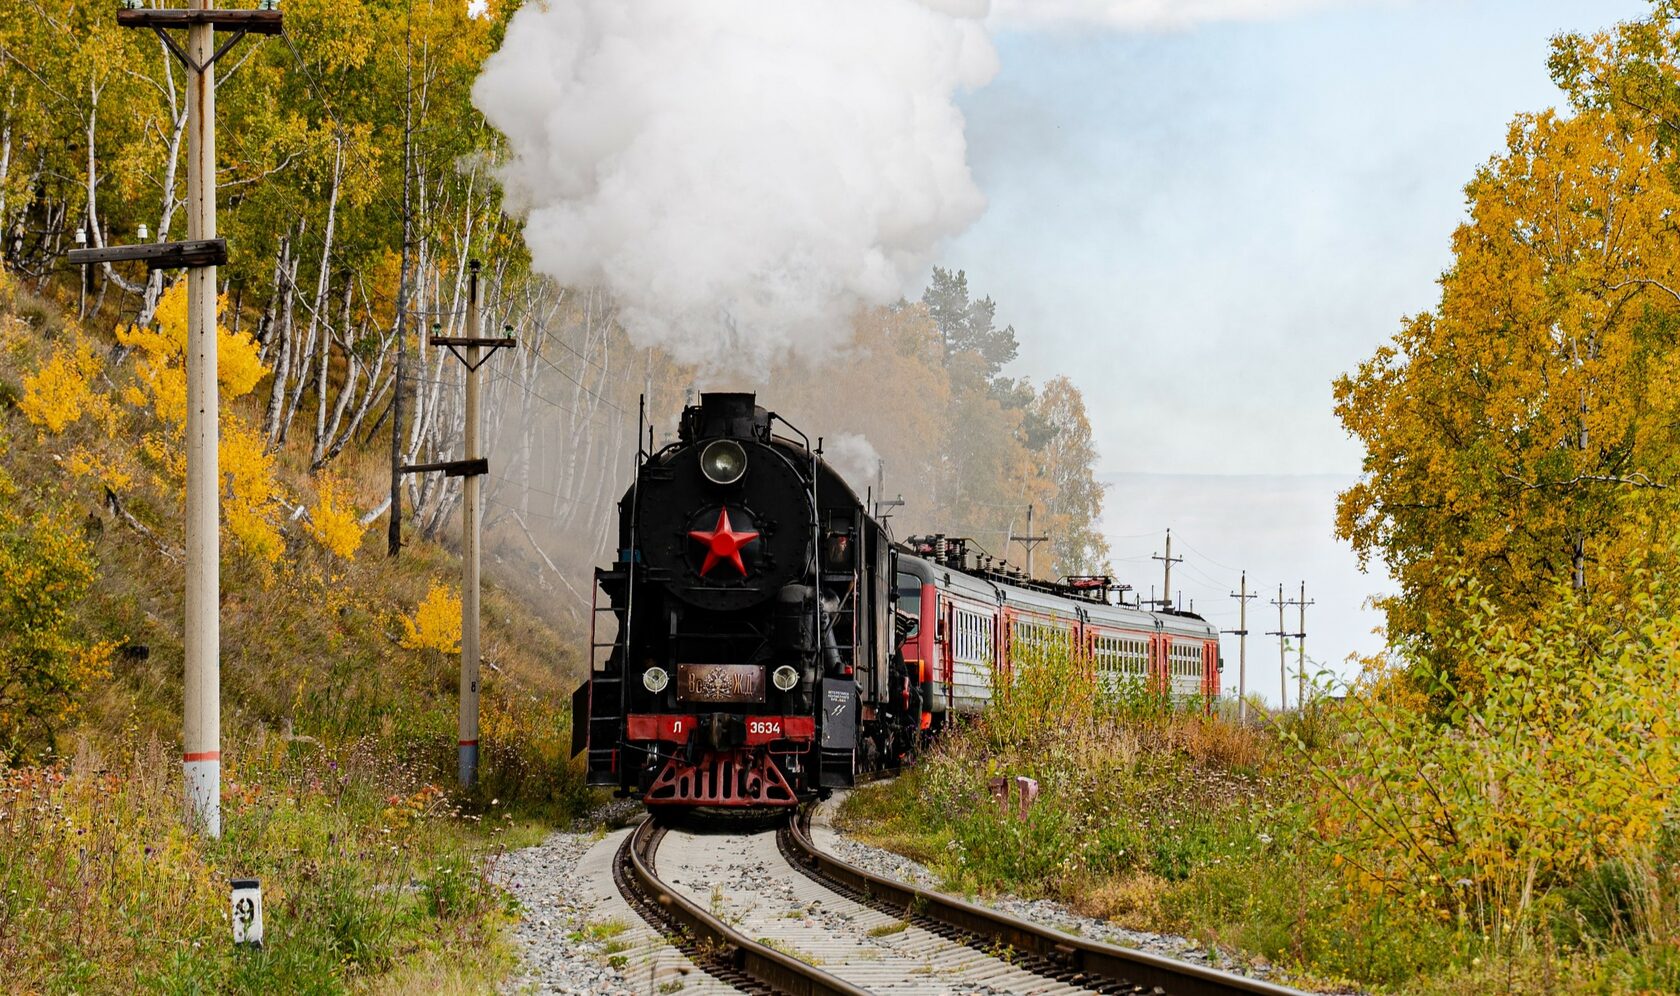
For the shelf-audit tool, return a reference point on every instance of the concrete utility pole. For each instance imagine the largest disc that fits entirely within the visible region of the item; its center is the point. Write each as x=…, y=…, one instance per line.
x=201, y=752
x=202, y=253
x=1242, y=595
x=1283, y=666
x=472, y=518
x=1166, y=571
x=1029, y=541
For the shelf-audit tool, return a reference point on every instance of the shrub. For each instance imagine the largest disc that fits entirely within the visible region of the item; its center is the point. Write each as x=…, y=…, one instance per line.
x=436, y=623
x=45, y=663
x=1563, y=765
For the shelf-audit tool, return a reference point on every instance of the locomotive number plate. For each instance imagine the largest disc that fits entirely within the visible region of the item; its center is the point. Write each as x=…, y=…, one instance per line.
x=720, y=682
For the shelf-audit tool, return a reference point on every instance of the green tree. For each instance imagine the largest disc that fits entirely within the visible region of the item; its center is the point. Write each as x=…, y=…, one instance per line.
x=966, y=325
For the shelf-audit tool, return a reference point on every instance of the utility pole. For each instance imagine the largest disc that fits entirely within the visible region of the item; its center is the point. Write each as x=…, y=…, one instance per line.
x=1301, y=648
x=201, y=254
x=1242, y=595
x=1283, y=667
x=1166, y=566
x=201, y=750
x=472, y=518
x=1029, y=541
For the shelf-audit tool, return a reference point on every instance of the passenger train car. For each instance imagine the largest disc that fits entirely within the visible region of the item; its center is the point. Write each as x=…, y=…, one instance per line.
x=974, y=624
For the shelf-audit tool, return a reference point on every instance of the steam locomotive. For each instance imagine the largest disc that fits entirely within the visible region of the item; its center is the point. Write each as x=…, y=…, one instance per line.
x=764, y=640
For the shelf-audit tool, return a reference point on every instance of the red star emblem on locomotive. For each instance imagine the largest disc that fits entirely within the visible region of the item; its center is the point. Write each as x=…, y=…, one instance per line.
x=723, y=543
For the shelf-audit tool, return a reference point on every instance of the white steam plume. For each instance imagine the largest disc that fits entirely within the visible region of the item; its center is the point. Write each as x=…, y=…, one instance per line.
x=741, y=175
x=852, y=456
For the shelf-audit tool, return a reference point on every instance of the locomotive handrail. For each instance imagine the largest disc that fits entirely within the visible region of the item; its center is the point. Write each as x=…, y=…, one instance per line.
x=1107, y=961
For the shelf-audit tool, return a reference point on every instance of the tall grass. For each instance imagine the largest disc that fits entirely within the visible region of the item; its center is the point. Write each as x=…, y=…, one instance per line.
x=363, y=863
x=338, y=748
x=1524, y=838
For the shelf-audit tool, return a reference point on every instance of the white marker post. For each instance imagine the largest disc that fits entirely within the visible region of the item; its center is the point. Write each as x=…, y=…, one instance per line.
x=247, y=912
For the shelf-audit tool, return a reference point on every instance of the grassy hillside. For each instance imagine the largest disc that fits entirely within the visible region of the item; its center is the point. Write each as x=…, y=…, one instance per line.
x=338, y=715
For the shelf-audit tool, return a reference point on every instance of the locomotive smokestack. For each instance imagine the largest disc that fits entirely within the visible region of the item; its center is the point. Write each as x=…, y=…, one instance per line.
x=736, y=415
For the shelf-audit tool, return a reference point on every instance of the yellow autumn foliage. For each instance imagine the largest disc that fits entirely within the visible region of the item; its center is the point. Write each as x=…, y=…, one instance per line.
x=161, y=363
x=333, y=522
x=250, y=490
x=436, y=623
x=64, y=392
x=61, y=392
x=1521, y=432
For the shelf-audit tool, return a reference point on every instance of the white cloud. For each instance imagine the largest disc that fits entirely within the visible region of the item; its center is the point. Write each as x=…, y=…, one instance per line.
x=1146, y=15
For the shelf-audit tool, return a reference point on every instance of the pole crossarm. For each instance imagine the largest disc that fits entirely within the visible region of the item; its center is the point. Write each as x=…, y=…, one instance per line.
x=259, y=22
x=454, y=342
x=451, y=468
x=241, y=22
x=158, y=255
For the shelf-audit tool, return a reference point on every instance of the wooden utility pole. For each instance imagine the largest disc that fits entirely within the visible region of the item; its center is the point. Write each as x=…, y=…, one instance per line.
x=1166, y=578
x=1301, y=649
x=201, y=751
x=472, y=517
x=471, y=521
x=1283, y=666
x=1242, y=595
x=1029, y=541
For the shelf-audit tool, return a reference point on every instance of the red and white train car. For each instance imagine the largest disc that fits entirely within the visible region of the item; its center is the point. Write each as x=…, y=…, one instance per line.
x=976, y=624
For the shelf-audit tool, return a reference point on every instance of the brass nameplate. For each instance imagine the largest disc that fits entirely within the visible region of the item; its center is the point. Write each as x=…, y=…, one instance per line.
x=720, y=682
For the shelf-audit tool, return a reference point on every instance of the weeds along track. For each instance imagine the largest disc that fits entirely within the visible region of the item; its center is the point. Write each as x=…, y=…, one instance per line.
x=769, y=912
x=1052, y=954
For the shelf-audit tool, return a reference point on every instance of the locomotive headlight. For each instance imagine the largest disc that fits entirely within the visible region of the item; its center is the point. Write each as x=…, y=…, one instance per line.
x=785, y=678
x=654, y=679
x=723, y=461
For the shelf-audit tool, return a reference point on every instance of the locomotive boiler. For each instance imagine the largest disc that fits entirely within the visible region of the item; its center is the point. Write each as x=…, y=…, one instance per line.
x=747, y=653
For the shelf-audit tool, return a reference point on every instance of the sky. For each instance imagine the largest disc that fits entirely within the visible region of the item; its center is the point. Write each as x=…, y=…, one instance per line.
x=1203, y=211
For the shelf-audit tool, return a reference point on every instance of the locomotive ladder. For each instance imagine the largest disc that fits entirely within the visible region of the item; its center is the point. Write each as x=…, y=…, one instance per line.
x=606, y=682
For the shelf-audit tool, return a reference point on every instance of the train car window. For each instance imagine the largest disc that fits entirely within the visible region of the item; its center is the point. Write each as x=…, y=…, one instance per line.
x=907, y=595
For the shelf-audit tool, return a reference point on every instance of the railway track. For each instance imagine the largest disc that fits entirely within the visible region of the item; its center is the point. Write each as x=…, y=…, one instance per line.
x=794, y=919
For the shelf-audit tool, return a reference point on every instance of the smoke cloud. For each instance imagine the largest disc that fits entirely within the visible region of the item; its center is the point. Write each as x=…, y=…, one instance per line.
x=852, y=456
x=741, y=175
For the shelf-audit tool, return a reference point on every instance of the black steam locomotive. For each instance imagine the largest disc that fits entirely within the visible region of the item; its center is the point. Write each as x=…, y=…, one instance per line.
x=748, y=656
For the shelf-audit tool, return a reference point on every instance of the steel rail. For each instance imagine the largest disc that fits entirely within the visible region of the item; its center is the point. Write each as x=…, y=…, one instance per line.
x=1106, y=963
x=714, y=941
